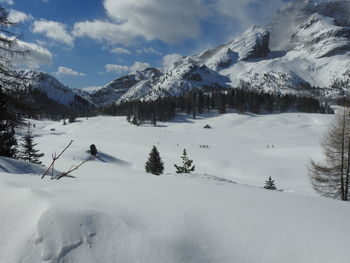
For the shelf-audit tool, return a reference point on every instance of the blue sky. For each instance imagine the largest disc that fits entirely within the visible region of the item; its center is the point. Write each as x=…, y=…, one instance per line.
x=87, y=43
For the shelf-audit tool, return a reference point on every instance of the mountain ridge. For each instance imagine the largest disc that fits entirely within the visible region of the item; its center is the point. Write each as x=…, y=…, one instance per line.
x=312, y=58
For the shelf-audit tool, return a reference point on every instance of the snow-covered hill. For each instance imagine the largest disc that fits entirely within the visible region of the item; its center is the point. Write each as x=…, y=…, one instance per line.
x=310, y=45
x=114, y=212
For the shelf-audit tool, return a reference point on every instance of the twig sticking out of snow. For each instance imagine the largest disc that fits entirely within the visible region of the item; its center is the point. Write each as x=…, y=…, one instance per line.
x=54, y=159
x=72, y=169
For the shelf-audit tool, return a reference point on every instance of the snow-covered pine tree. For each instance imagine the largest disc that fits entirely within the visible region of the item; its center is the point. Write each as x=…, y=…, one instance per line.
x=187, y=166
x=270, y=184
x=28, y=152
x=154, y=163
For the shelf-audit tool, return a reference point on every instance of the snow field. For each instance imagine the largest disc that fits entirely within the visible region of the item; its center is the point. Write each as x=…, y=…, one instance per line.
x=114, y=212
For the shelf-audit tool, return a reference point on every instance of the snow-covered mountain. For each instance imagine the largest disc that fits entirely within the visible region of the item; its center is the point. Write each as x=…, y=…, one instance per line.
x=306, y=48
x=112, y=92
x=53, y=89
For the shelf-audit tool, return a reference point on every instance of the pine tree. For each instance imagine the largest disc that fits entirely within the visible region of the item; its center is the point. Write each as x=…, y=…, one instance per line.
x=72, y=118
x=154, y=163
x=8, y=142
x=270, y=184
x=187, y=166
x=154, y=120
x=28, y=152
x=8, y=80
x=135, y=120
x=8, y=51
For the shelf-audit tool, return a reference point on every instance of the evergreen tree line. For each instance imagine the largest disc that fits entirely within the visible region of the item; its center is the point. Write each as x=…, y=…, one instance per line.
x=197, y=102
x=35, y=104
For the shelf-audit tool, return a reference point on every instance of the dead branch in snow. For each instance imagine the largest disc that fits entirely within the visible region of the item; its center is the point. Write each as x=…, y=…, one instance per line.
x=54, y=159
x=72, y=169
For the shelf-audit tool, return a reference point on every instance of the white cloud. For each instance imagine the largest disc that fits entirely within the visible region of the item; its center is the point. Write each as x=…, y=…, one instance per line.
x=148, y=50
x=16, y=16
x=120, y=50
x=120, y=69
x=173, y=20
x=63, y=71
x=167, y=20
x=91, y=89
x=247, y=12
x=116, y=68
x=139, y=66
x=9, y=2
x=54, y=30
x=37, y=55
x=170, y=59
x=103, y=31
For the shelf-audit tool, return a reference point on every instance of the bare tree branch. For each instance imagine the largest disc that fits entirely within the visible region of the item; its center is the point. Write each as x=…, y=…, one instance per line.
x=72, y=169
x=54, y=159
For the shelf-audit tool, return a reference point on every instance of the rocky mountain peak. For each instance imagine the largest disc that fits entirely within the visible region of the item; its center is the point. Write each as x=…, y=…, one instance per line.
x=319, y=36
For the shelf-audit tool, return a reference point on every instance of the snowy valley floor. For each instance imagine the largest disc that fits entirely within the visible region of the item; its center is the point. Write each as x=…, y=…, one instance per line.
x=114, y=212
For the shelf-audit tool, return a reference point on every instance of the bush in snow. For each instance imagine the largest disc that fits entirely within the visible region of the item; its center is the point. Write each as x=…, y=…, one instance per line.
x=270, y=184
x=187, y=166
x=93, y=150
x=154, y=164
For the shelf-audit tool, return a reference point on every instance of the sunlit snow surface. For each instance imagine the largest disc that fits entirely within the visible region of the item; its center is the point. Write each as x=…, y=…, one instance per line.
x=114, y=212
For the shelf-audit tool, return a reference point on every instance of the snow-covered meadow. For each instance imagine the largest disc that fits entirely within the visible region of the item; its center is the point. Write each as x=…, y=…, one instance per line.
x=114, y=212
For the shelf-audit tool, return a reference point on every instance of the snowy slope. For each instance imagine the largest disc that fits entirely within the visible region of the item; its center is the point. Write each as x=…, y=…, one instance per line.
x=254, y=43
x=112, y=92
x=319, y=37
x=178, y=79
x=114, y=212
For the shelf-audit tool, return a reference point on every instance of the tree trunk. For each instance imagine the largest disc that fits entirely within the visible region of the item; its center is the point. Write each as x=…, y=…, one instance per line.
x=342, y=160
x=346, y=186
